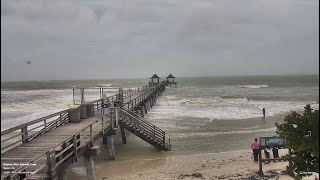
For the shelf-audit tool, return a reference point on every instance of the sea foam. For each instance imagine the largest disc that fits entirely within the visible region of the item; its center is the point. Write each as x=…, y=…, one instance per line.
x=218, y=108
x=254, y=86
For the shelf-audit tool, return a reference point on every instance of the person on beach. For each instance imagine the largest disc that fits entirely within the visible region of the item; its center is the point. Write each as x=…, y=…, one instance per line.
x=255, y=146
x=264, y=112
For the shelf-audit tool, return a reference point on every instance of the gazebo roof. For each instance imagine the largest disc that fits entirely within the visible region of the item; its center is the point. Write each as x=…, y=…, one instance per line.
x=170, y=76
x=154, y=76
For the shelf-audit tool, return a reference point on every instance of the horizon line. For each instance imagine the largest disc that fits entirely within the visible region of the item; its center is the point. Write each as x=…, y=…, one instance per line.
x=201, y=76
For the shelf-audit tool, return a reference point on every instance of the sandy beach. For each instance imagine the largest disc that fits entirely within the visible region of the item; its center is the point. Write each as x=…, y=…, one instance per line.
x=138, y=160
x=226, y=165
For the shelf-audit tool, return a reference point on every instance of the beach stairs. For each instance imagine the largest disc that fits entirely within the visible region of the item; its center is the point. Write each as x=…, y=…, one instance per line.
x=143, y=129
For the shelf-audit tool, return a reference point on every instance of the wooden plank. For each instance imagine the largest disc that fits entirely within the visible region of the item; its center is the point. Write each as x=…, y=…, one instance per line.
x=27, y=148
x=47, y=140
x=22, y=156
x=15, y=159
x=39, y=145
x=24, y=152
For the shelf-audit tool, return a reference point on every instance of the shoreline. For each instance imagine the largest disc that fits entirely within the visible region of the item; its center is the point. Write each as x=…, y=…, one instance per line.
x=223, y=165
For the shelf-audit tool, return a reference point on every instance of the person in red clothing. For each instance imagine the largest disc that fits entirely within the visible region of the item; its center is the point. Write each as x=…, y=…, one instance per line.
x=255, y=146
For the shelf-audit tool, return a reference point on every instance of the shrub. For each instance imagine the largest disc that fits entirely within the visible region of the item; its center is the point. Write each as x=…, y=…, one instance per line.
x=302, y=135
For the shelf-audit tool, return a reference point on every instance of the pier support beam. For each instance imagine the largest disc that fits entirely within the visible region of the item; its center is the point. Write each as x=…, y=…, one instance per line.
x=112, y=152
x=108, y=139
x=145, y=108
x=142, y=111
x=149, y=104
x=91, y=174
x=123, y=135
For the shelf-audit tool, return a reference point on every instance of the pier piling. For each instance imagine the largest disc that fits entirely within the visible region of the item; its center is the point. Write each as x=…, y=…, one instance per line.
x=91, y=174
x=141, y=111
x=112, y=153
x=123, y=135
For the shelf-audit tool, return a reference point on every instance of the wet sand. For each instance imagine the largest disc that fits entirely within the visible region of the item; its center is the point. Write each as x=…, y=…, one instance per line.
x=227, y=165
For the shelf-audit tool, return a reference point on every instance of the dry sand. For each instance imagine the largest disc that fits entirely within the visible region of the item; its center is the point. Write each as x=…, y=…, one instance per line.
x=227, y=165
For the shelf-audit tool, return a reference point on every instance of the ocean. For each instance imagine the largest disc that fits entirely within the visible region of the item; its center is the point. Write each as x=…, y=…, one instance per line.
x=202, y=115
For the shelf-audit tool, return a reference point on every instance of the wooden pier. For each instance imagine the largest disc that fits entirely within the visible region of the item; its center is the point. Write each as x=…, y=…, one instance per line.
x=42, y=148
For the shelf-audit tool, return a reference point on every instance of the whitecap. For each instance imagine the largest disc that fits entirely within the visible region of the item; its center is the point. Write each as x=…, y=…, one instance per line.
x=104, y=85
x=225, y=110
x=254, y=86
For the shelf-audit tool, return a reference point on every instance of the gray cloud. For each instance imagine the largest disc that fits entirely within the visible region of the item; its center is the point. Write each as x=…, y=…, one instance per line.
x=108, y=39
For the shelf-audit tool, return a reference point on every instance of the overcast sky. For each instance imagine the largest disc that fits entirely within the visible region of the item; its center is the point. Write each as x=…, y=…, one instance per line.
x=94, y=39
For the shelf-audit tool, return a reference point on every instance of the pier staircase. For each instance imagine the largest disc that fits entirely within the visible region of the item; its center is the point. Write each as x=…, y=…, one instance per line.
x=144, y=129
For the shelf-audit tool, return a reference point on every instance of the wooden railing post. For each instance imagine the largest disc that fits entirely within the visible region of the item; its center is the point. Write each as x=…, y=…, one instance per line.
x=102, y=126
x=97, y=105
x=117, y=116
x=56, y=121
x=91, y=136
x=102, y=110
x=51, y=162
x=154, y=133
x=164, y=137
x=45, y=125
x=169, y=143
x=75, y=152
x=24, y=132
x=132, y=105
x=137, y=121
x=112, y=117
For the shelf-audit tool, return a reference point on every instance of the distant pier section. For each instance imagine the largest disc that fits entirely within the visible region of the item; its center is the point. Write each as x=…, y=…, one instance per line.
x=170, y=80
x=43, y=148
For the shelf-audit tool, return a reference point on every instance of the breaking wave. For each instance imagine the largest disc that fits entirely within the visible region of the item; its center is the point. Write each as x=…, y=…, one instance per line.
x=171, y=100
x=104, y=85
x=254, y=86
x=218, y=108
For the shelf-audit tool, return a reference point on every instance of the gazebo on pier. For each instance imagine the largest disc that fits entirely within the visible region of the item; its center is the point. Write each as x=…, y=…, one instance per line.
x=155, y=79
x=170, y=80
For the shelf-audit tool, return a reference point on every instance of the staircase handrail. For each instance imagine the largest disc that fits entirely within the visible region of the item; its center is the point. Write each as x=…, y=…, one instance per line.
x=146, y=126
x=142, y=120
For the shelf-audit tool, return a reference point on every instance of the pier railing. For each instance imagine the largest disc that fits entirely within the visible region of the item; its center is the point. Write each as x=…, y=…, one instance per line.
x=51, y=159
x=125, y=93
x=23, y=133
x=12, y=137
x=136, y=101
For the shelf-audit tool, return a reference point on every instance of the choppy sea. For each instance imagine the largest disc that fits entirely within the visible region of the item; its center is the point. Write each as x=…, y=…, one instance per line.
x=203, y=114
